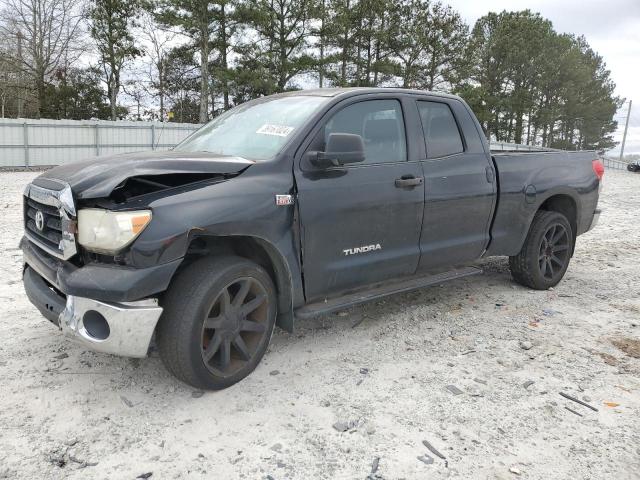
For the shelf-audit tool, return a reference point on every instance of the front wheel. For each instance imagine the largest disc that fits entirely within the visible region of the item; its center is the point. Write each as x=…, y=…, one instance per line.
x=219, y=314
x=545, y=255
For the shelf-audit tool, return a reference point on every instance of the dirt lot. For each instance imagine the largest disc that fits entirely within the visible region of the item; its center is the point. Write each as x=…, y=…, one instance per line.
x=378, y=372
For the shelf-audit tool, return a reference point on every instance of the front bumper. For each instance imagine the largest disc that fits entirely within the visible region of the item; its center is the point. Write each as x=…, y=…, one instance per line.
x=120, y=329
x=107, y=283
x=123, y=328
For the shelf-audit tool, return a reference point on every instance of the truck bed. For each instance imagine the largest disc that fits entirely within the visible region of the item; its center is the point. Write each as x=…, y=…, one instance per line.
x=526, y=179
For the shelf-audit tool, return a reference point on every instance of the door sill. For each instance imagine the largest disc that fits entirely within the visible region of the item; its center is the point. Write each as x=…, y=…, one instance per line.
x=382, y=290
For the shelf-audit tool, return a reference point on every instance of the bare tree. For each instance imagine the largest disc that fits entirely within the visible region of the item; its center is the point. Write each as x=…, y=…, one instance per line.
x=43, y=34
x=135, y=90
x=159, y=42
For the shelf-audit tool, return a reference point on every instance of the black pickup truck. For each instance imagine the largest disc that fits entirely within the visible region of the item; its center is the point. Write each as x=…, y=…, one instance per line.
x=287, y=206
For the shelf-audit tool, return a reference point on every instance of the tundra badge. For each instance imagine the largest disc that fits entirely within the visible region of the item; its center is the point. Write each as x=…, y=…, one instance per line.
x=283, y=200
x=363, y=249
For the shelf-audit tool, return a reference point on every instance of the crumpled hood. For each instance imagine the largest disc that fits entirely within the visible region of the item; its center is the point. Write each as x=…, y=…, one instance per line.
x=98, y=177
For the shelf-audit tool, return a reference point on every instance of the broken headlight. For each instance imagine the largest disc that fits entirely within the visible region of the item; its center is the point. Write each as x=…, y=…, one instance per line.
x=104, y=231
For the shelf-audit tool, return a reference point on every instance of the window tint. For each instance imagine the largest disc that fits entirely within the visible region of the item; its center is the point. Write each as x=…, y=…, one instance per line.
x=440, y=130
x=379, y=123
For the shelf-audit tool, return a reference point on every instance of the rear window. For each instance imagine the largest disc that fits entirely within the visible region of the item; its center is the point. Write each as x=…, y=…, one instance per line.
x=441, y=132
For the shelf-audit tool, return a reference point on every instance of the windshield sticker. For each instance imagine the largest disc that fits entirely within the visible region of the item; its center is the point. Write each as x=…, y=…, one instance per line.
x=277, y=130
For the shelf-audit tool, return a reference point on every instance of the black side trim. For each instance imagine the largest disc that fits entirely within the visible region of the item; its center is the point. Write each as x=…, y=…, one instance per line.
x=45, y=298
x=382, y=290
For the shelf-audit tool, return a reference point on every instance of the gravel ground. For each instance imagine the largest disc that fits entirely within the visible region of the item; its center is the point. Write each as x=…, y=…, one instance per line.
x=474, y=367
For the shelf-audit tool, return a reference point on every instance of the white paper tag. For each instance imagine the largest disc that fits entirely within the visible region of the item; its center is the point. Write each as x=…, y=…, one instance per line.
x=277, y=130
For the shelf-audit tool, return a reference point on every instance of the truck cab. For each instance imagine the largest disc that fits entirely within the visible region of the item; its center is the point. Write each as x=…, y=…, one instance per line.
x=292, y=205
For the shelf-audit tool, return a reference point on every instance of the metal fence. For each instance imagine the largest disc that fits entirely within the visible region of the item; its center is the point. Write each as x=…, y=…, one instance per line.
x=608, y=162
x=613, y=163
x=517, y=147
x=35, y=143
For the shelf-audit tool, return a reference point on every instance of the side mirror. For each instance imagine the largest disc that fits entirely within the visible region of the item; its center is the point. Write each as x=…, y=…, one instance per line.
x=341, y=148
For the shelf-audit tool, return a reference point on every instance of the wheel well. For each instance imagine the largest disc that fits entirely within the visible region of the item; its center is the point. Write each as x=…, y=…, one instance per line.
x=256, y=250
x=565, y=205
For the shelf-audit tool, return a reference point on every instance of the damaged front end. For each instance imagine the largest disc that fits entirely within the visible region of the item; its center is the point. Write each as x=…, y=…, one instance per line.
x=74, y=284
x=138, y=186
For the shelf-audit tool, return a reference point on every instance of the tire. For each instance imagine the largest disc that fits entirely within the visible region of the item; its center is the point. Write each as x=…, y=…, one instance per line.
x=545, y=255
x=218, y=318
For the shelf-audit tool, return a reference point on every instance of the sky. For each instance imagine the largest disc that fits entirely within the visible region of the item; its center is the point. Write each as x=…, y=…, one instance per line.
x=611, y=27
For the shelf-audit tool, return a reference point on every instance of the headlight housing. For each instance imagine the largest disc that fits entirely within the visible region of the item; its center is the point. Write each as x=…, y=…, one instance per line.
x=104, y=231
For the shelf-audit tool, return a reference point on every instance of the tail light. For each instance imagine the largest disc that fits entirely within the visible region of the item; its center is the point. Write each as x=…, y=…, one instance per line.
x=598, y=169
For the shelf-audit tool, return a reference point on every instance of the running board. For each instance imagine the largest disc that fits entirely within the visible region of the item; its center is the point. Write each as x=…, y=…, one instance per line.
x=380, y=291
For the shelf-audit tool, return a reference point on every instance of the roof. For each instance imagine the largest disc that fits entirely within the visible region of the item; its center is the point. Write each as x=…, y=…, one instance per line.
x=346, y=91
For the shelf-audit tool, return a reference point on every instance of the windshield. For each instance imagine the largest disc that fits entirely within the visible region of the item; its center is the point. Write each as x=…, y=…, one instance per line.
x=255, y=130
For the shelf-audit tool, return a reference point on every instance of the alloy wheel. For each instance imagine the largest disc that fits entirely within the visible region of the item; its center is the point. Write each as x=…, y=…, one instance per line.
x=554, y=251
x=235, y=326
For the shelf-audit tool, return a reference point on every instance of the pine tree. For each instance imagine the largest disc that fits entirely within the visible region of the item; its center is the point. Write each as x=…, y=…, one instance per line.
x=195, y=18
x=282, y=28
x=428, y=40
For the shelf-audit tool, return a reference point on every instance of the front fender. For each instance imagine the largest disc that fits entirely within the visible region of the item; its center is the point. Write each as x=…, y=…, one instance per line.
x=241, y=207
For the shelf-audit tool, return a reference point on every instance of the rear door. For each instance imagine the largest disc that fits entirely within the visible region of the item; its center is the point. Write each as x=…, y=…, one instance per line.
x=460, y=187
x=361, y=222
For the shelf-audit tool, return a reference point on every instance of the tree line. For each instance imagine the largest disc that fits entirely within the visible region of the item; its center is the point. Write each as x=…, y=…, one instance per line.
x=190, y=60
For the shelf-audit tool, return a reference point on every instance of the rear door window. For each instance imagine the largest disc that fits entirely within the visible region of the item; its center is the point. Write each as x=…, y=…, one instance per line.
x=441, y=132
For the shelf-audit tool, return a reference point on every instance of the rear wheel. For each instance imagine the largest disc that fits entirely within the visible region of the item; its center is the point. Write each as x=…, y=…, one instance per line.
x=218, y=319
x=545, y=255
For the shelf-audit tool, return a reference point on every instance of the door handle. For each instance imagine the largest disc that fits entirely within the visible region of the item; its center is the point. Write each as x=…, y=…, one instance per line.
x=409, y=181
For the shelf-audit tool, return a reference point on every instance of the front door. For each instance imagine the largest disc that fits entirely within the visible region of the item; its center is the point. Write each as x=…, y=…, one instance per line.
x=361, y=222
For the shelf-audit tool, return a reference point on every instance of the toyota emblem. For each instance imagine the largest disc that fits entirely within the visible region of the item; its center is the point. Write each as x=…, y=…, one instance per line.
x=39, y=220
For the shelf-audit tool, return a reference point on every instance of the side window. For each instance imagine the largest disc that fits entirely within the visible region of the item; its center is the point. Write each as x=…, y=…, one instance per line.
x=378, y=122
x=440, y=129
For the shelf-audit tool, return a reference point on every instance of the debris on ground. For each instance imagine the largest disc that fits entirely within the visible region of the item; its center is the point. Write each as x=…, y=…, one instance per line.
x=375, y=464
x=344, y=426
x=527, y=384
x=573, y=411
x=426, y=459
x=453, y=389
x=526, y=345
x=433, y=449
x=82, y=463
x=577, y=400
